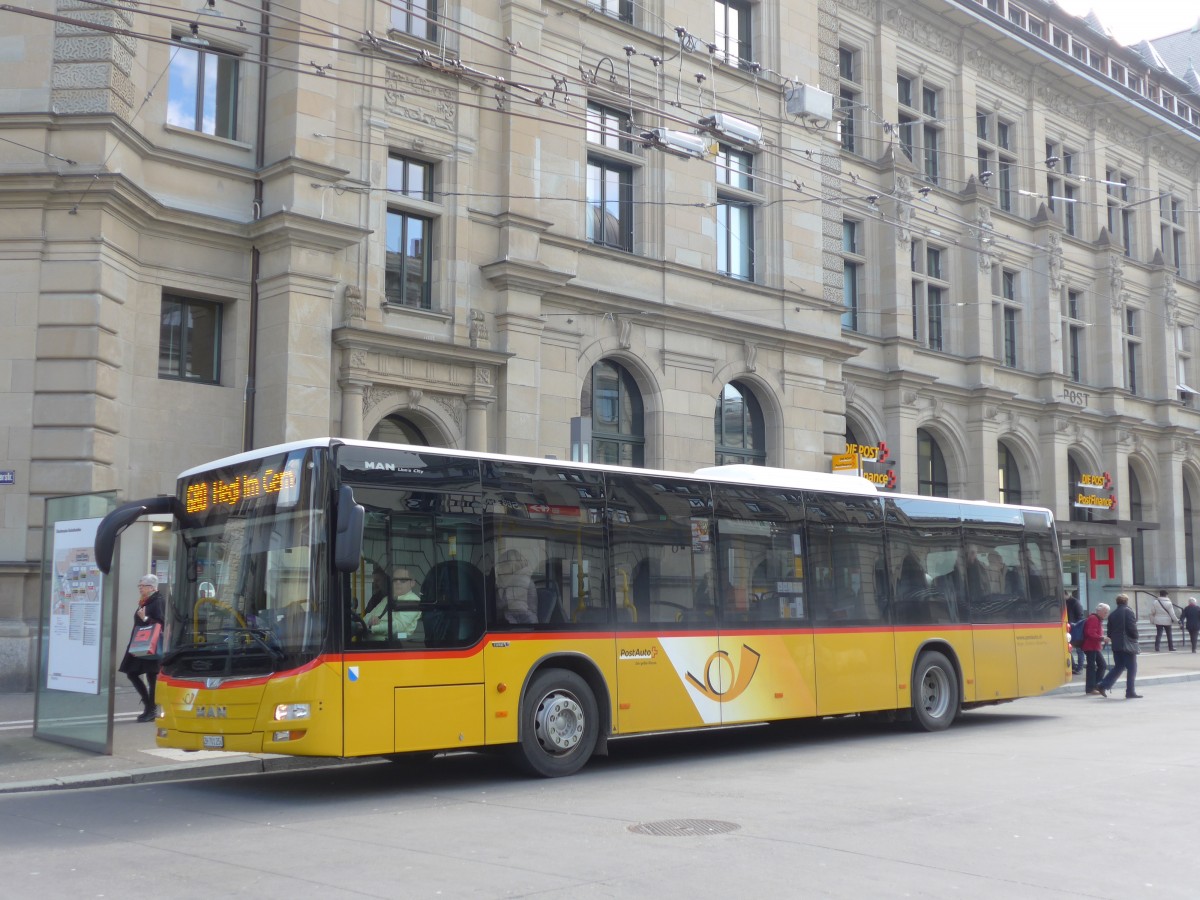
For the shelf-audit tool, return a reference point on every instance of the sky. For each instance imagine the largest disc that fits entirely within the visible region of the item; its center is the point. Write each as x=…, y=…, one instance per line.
x=1132, y=21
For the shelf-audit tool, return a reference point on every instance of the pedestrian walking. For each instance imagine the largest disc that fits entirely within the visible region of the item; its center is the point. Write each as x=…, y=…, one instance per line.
x=1190, y=619
x=1123, y=637
x=149, y=611
x=1074, y=614
x=1093, y=649
x=1163, y=618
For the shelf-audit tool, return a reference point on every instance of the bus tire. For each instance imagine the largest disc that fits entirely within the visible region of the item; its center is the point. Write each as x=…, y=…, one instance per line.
x=934, y=692
x=559, y=724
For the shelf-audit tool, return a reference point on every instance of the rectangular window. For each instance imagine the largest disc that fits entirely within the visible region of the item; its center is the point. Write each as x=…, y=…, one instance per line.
x=1174, y=238
x=408, y=267
x=920, y=132
x=202, y=91
x=930, y=295
x=735, y=239
x=1010, y=337
x=1121, y=223
x=735, y=213
x=849, y=98
x=617, y=9
x=1074, y=343
x=1007, y=320
x=853, y=267
x=610, y=204
x=1133, y=348
x=415, y=17
x=609, y=128
x=732, y=21
x=189, y=339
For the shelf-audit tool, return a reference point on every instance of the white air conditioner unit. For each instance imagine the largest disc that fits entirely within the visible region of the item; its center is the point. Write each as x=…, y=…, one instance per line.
x=678, y=143
x=729, y=126
x=810, y=102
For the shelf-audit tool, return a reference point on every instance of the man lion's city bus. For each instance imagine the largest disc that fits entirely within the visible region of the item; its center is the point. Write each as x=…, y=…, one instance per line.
x=343, y=598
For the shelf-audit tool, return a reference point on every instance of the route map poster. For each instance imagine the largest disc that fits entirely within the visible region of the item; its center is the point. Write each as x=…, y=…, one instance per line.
x=75, y=607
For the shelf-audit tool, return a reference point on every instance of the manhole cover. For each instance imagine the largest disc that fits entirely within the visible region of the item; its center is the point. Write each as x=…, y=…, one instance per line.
x=684, y=827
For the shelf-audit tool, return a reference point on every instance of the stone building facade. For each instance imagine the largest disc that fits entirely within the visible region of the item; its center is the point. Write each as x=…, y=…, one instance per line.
x=497, y=226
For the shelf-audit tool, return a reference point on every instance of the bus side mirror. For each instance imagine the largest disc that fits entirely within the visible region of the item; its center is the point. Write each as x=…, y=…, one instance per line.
x=348, y=538
x=124, y=516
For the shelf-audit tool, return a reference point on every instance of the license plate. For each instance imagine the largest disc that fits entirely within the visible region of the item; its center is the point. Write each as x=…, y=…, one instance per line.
x=214, y=742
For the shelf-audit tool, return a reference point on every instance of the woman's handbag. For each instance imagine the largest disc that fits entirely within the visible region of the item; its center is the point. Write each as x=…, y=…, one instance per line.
x=146, y=641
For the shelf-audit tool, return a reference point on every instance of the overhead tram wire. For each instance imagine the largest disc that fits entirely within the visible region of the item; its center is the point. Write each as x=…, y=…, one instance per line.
x=299, y=68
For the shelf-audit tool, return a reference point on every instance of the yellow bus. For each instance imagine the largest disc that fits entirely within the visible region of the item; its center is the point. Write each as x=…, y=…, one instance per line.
x=342, y=598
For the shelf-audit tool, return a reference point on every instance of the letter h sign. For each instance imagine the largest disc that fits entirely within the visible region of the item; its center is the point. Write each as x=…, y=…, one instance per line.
x=1109, y=562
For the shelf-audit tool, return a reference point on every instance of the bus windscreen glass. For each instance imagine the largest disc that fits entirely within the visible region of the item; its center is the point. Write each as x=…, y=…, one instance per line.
x=249, y=590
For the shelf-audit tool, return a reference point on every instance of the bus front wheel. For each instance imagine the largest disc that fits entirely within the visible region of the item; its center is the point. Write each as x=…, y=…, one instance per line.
x=559, y=724
x=934, y=692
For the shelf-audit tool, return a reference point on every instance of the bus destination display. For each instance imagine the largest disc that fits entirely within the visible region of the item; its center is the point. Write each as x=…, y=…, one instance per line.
x=229, y=491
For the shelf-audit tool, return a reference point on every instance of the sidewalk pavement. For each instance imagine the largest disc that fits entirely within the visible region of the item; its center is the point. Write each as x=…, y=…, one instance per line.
x=32, y=764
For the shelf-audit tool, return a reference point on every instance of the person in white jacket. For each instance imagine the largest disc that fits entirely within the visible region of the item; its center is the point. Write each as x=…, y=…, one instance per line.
x=516, y=595
x=1163, y=618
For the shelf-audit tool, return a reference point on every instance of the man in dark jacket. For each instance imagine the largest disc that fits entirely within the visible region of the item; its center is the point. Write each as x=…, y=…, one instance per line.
x=1123, y=633
x=1190, y=618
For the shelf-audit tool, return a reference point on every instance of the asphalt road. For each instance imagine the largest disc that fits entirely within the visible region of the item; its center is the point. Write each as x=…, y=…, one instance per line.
x=1060, y=796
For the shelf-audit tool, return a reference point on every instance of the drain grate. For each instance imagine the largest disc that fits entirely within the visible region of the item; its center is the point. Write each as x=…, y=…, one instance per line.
x=684, y=827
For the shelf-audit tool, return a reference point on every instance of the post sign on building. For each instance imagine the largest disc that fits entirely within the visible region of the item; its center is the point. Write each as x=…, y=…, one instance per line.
x=1095, y=492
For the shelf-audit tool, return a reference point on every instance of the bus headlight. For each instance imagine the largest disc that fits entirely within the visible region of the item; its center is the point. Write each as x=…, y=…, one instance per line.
x=288, y=711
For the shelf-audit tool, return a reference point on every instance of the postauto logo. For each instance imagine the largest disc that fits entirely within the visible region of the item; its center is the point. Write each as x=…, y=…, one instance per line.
x=719, y=664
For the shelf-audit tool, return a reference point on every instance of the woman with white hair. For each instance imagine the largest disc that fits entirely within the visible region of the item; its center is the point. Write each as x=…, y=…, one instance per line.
x=1190, y=618
x=150, y=611
x=1093, y=649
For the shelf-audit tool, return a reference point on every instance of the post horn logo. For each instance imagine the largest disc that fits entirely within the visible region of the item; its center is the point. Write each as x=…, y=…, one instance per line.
x=742, y=675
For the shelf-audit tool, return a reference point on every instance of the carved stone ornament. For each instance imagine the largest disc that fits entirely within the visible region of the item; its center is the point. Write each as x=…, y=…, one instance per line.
x=904, y=211
x=1116, y=280
x=849, y=390
x=624, y=332
x=355, y=305
x=1055, y=261
x=419, y=99
x=358, y=359
x=478, y=329
x=751, y=350
x=483, y=376
x=909, y=398
x=374, y=394
x=414, y=398
x=1171, y=298
x=984, y=231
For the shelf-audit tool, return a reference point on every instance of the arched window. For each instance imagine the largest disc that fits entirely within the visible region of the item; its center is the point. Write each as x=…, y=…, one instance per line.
x=1189, y=534
x=1009, y=475
x=396, y=429
x=1074, y=477
x=932, y=480
x=612, y=401
x=1137, y=513
x=739, y=427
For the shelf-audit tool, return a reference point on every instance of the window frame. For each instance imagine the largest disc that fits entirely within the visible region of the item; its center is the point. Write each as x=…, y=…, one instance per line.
x=734, y=164
x=854, y=267
x=196, y=102
x=186, y=303
x=406, y=206
x=930, y=294
x=734, y=49
x=422, y=25
x=609, y=154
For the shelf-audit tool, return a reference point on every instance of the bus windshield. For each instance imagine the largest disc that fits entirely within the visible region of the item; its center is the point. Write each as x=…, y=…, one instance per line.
x=250, y=593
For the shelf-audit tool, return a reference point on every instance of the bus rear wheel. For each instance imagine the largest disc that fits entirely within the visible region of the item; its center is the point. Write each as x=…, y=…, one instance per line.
x=559, y=724
x=934, y=692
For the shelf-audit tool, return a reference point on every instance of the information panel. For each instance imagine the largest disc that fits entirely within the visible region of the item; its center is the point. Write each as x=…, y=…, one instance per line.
x=76, y=591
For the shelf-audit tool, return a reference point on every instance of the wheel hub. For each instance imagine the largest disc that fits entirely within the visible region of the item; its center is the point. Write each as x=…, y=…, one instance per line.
x=559, y=723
